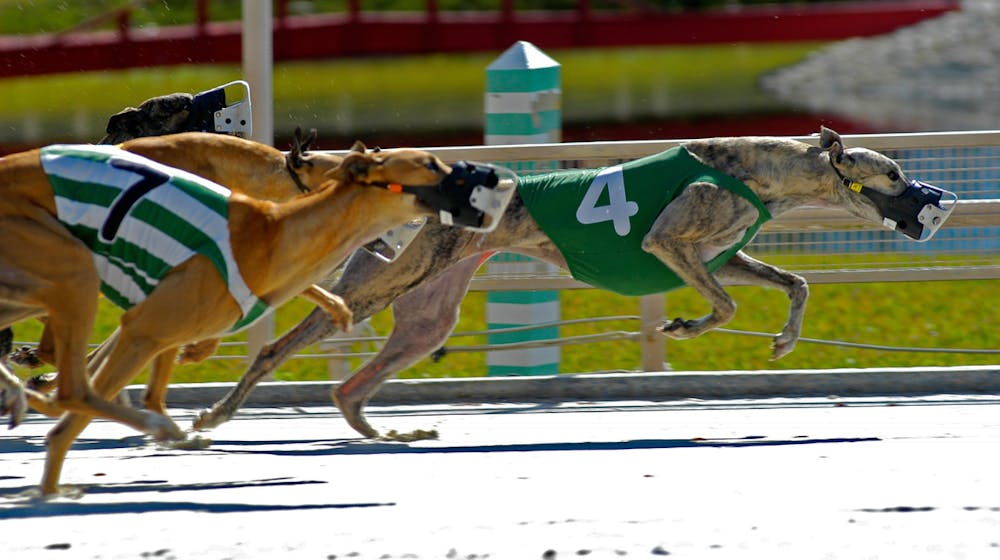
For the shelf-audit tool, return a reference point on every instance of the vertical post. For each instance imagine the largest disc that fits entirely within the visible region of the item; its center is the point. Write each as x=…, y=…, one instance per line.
x=654, y=352
x=258, y=69
x=523, y=93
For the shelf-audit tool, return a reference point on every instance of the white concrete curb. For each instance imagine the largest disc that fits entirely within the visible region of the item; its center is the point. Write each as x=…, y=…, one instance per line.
x=618, y=386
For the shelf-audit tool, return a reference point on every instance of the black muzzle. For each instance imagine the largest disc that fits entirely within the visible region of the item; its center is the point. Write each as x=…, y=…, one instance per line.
x=212, y=112
x=473, y=196
x=918, y=212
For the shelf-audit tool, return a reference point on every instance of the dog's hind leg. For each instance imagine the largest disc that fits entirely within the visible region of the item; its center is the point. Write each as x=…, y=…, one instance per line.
x=743, y=269
x=125, y=356
x=698, y=225
x=155, y=396
x=311, y=329
x=424, y=318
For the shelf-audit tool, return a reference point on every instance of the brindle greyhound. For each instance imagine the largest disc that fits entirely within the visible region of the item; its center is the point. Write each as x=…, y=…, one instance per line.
x=427, y=283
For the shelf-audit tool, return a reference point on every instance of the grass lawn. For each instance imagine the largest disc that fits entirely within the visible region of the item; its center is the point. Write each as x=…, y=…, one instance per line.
x=936, y=314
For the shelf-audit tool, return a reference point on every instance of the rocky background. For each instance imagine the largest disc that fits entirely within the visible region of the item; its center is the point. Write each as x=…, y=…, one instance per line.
x=941, y=74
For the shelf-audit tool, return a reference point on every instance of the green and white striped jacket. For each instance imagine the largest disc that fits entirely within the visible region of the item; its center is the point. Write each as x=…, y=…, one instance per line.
x=142, y=219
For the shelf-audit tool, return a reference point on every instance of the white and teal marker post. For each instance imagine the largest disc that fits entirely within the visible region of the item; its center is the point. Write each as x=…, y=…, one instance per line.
x=523, y=106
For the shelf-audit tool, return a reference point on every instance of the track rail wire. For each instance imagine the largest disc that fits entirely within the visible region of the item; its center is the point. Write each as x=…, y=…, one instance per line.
x=607, y=336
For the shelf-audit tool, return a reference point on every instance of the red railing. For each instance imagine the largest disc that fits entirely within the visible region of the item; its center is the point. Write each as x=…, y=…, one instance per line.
x=358, y=33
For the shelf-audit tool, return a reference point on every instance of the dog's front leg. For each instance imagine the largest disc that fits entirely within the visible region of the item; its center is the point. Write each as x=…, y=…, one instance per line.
x=743, y=269
x=424, y=317
x=702, y=222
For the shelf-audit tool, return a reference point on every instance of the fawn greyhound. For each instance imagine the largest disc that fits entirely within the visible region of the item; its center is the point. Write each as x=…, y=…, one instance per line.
x=207, y=111
x=695, y=239
x=264, y=173
x=181, y=281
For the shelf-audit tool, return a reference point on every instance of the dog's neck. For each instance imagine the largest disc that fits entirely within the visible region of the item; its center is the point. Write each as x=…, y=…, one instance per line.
x=299, y=242
x=784, y=174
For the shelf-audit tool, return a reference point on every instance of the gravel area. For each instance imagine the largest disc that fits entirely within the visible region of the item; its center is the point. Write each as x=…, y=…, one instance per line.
x=941, y=74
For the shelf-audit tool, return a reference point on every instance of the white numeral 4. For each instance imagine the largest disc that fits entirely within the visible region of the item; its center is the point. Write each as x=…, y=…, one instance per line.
x=618, y=210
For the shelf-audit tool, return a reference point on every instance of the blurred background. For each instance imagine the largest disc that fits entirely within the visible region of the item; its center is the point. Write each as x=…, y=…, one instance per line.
x=411, y=72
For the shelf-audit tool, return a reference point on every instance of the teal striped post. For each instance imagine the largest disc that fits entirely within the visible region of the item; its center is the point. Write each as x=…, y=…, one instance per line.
x=523, y=97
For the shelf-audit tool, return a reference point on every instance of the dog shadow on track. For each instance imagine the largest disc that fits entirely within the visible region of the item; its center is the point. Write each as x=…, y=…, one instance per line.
x=23, y=506
x=366, y=447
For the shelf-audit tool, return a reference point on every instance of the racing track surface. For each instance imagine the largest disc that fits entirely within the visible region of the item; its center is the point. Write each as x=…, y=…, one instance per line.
x=822, y=477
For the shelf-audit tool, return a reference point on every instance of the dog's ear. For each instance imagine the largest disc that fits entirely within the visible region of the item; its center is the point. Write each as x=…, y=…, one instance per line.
x=359, y=146
x=830, y=141
x=827, y=137
x=300, y=146
x=124, y=121
x=353, y=168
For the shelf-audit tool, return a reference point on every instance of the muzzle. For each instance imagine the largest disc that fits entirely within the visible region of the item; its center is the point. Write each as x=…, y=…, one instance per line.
x=473, y=196
x=918, y=212
x=210, y=111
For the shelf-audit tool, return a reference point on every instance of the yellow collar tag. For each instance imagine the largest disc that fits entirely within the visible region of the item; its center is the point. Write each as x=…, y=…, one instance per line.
x=856, y=186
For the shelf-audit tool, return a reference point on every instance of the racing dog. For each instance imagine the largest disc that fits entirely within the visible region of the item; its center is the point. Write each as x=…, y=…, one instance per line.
x=695, y=240
x=255, y=169
x=106, y=219
x=207, y=111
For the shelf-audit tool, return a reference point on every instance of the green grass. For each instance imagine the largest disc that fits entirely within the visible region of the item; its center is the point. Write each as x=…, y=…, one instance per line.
x=936, y=314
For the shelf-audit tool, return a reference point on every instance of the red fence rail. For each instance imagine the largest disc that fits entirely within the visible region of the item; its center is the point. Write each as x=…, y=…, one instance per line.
x=359, y=33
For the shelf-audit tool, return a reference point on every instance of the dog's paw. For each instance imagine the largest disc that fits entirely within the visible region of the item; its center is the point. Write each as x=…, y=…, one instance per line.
x=13, y=401
x=163, y=429
x=678, y=328
x=782, y=345
x=43, y=383
x=196, y=443
x=206, y=419
x=197, y=352
x=342, y=317
x=25, y=356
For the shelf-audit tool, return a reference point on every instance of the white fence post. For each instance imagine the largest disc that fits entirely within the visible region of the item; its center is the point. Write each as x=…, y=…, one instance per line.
x=523, y=106
x=258, y=68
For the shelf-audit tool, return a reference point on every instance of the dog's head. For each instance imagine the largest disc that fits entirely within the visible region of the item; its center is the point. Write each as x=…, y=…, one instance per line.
x=161, y=115
x=394, y=169
x=876, y=188
x=472, y=196
x=207, y=111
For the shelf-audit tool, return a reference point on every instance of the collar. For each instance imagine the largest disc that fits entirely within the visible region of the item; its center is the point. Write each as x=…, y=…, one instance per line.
x=295, y=176
x=847, y=181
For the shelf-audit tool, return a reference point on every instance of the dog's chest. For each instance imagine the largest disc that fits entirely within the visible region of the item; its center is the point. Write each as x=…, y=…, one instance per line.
x=598, y=217
x=141, y=219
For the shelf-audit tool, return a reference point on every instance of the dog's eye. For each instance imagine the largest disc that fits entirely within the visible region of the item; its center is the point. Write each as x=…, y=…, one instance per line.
x=893, y=176
x=433, y=165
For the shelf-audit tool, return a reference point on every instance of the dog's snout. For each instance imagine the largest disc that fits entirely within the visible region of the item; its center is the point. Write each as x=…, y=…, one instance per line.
x=437, y=166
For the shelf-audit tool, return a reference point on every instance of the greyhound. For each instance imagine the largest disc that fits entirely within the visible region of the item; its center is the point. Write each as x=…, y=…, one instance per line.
x=427, y=283
x=173, y=113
